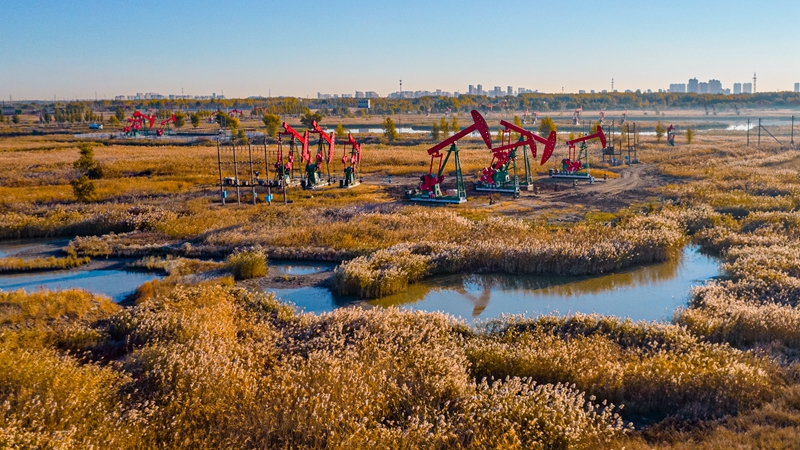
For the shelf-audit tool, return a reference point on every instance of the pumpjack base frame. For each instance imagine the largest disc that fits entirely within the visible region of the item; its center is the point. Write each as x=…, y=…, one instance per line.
x=572, y=176
x=481, y=187
x=349, y=186
x=443, y=199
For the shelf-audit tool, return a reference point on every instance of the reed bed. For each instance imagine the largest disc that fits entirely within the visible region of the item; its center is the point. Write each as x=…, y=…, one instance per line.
x=515, y=247
x=19, y=265
x=213, y=366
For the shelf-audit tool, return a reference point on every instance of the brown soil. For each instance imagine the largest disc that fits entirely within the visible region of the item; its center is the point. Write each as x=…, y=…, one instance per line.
x=558, y=200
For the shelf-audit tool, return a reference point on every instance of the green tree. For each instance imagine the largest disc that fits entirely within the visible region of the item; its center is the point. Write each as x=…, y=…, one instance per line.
x=241, y=137
x=341, y=134
x=86, y=162
x=195, y=120
x=119, y=114
x=272, y=122
x=546, y=125
x=234, y=123
x=689, y=135
x=455, y=126
x=47, y=117
x=113, y=121
x=15, y=119
x=660, y=131
x=435, y=131
x=389, y=130
x=309, y=117
x=445, y=127
x=180, y=119
x=83, y=188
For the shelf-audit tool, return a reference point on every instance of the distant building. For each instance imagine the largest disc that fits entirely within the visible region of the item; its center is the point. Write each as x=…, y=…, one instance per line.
x=498, y=92
x=510, y=91
x=592, y=91
x=371, y=94
x=679, y=88
x=737, y=88
x=471, y=90
x=797, y=87
x=480, y=90
x=581, y=91
x=347, y=95
x=747, y=88
x=702, y=88
x=359, y=94
x=693, y=86
x=715, y=87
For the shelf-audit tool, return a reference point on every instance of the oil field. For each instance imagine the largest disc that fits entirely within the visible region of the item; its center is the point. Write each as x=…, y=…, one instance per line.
x=490, y=269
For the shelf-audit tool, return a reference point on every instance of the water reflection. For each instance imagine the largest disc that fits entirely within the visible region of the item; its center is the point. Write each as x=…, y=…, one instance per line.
x=298, y=268
x=117, y=284
x=649, y=293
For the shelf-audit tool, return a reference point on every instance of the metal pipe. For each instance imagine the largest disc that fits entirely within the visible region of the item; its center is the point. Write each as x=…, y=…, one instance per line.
x=252, y=185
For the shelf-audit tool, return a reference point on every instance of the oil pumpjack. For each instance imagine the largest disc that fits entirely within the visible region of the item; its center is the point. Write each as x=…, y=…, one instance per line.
x=501, y=175
x=430, y=188
x=314, y=177
x=352, y=163
x=576, y=165
x=284, y=167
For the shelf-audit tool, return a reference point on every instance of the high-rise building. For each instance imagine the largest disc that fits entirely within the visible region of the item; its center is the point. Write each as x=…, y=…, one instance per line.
x=480, y=89
x=510, y=91
x=679, y=88
x=498, y=92
x=747, y=88
x=371, y=94
x=693, y=86
x=797, y=87
x=702, y=88
x=471, y=90
x=715, y=87
x=359, y=94
x=737, y=88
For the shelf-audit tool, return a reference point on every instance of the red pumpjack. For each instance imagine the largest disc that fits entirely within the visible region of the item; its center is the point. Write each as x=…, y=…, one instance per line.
x=576, y=165
x=165, y=125
x=313, y=169
x=284, y=170
x=430, y=189
x=498, y=177
x=352, y=163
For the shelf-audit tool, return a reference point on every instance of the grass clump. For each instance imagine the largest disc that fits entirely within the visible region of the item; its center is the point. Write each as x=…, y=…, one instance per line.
x=247, y=264
x=17, y=265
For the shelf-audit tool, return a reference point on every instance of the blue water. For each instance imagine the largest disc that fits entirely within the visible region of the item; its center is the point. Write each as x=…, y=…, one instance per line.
x=645, y=293
x=298, y=268
x=116, y=284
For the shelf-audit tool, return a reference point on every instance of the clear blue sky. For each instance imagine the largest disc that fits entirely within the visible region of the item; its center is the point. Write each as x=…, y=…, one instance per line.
x=76, y=48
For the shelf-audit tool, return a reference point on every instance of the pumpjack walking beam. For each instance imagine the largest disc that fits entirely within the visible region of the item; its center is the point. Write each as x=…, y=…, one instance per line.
x=431, y=183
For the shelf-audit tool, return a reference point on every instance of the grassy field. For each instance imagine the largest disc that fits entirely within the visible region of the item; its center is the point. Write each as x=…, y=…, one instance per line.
x=210, y=365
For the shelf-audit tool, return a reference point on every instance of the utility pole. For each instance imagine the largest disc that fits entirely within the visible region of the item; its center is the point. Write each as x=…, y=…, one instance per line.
x=759, y=133
x=792, y=141
x=612, y=85
x=219, y=163
x=748, y=132
x=252, y=185
x=401, y=88
x=754, y=85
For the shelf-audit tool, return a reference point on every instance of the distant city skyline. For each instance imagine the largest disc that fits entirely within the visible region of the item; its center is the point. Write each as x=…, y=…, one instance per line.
x=85, y=49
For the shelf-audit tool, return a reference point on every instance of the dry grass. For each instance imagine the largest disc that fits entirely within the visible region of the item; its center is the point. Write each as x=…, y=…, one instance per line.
x=17, y=265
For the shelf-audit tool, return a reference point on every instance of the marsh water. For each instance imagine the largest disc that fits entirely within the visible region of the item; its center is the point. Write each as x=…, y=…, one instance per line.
x=650, y=292
x=107, y=277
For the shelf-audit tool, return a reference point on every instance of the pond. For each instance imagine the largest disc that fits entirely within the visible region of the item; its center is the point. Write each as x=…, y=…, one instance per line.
x=645, y=293
x=114, y=283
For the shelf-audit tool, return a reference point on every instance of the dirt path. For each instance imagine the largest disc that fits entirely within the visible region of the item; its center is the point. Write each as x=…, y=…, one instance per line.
x=559, y=200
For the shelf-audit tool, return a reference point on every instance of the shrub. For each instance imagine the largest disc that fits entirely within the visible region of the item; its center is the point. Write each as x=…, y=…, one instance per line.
x=83, y=188
x=244, y=265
